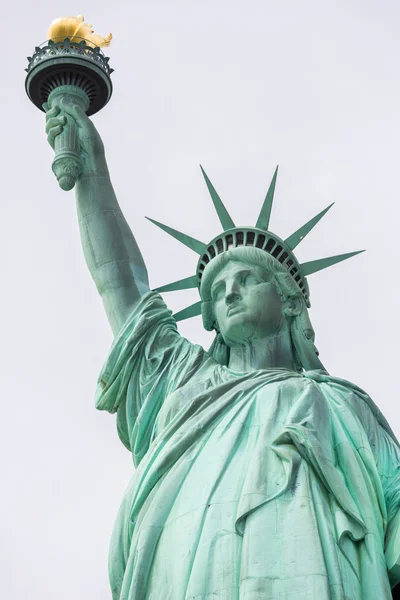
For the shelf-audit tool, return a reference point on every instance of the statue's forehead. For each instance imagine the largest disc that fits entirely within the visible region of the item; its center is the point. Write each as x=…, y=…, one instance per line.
x=235, y=266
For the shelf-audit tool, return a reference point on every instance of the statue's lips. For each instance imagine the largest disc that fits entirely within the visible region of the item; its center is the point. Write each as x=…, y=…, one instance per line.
x=233, y=310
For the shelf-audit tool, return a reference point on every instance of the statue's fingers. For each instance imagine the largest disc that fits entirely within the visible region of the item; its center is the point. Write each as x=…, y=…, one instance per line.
x=76, y=112
x=53, y=112
x=68, y=107
x=55, y=122
x=53, y=133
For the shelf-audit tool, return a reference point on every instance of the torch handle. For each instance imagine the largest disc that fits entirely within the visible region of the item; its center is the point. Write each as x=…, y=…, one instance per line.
x=67, y=163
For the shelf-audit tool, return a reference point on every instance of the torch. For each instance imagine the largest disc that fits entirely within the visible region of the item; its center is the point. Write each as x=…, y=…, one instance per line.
x=71, y=65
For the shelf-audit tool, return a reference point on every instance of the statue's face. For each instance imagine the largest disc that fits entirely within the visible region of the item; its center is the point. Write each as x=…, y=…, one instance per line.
x=247, y=305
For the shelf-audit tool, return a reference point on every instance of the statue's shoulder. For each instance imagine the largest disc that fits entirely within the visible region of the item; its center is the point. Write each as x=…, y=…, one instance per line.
x=354, y=396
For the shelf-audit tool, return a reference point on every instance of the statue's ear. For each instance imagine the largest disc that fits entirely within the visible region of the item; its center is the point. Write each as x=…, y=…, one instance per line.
x=292, y=307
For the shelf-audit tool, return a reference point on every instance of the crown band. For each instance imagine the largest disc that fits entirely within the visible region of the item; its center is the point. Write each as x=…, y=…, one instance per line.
x=255, y=238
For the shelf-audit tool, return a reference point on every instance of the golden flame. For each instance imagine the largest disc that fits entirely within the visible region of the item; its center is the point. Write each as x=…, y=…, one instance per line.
x=76, y=29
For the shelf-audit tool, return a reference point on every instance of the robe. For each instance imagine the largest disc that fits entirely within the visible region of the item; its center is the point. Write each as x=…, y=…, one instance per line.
x=247, y=486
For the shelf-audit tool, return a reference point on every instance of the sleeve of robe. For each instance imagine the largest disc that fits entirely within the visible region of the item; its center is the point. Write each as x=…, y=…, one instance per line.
x=148, y=360
x=387, y=455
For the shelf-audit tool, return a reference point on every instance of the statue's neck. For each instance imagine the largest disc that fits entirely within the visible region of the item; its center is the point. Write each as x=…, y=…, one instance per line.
x=272, y=352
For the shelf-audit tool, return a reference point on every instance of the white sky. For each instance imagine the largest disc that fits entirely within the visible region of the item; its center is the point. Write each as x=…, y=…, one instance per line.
x=239, y=86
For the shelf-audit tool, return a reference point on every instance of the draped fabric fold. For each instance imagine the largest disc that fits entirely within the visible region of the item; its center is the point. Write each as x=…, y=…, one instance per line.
x=248, y=485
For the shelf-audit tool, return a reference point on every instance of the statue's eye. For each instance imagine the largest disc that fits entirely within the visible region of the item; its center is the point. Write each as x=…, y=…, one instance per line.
x=251, y=279
x=217, y=293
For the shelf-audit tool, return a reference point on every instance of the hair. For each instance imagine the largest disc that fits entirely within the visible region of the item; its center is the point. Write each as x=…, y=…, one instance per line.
x=301, y=330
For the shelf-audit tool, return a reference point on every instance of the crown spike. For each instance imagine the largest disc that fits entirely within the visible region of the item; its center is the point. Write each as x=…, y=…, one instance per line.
x=182, y=284
x=190, y=311
x=223, y=215
x=263, y=219
x=188, y=241
x=298, y=236
x=313, y=266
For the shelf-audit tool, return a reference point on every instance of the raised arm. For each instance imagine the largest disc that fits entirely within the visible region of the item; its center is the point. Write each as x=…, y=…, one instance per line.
x=110, y=249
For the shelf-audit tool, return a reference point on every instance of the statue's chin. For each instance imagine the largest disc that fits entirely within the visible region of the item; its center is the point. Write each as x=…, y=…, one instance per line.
x=239, y=332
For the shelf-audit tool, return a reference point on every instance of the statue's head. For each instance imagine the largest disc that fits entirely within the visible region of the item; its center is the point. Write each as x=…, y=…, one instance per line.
x=247, y=296
x=251, y=283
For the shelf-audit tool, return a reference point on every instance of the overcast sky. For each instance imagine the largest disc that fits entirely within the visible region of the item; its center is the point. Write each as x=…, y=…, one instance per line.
x=238, y=86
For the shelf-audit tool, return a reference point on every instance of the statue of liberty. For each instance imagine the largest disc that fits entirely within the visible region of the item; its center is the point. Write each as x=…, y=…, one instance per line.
x=258, y=475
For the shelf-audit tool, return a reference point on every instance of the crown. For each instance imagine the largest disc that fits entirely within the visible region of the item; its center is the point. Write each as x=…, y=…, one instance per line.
x=256, y=237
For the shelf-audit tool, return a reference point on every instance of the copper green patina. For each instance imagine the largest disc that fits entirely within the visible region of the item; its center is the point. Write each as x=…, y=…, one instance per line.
x=258, y=475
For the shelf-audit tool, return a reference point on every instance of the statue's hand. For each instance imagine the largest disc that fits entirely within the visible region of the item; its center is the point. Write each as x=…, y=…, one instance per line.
x=90, y=143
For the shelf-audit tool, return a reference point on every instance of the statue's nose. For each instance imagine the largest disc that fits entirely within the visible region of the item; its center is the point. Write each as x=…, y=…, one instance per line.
x=233, y=296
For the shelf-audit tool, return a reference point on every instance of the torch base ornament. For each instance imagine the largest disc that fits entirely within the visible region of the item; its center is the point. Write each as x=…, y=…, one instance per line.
x=67, y=170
